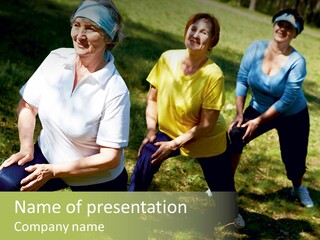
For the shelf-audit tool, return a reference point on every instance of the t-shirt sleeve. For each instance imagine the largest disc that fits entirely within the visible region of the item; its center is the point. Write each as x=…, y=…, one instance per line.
x=155, y=72
x=215, y=94
x=115, y=120
x=32, y=90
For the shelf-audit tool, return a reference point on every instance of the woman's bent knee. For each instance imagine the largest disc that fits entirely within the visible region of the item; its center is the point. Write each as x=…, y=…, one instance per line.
x=6, y=183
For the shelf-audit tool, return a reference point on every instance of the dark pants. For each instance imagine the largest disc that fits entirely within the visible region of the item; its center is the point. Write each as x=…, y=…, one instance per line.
x=217, y=170
x=11, y=176
x=293, y=132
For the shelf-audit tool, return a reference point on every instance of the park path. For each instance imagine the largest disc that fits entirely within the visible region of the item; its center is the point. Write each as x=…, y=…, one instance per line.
x=260, y=18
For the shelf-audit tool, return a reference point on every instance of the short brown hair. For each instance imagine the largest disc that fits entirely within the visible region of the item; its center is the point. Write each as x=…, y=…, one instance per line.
x=215, y=31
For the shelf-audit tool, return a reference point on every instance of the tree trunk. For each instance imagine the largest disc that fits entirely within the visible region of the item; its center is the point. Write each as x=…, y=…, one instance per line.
x=318, y=6
x=317, y=12
x=279, y=4
x=252, y=5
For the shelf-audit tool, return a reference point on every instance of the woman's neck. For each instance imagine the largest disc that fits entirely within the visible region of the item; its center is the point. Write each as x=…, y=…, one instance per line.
x=91, y=64
x=86, y=65
x=192, y=62
x=280, y=48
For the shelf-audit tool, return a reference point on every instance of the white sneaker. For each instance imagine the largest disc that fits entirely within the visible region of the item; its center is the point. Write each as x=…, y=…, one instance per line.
x=302, y=194
x=239, y=222
x=209, y=193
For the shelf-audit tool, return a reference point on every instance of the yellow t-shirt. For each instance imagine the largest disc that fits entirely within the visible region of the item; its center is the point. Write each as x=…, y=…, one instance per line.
x=181, y=98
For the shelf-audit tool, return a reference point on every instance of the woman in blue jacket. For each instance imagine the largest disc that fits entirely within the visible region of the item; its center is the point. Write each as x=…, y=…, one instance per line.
x=274, y=72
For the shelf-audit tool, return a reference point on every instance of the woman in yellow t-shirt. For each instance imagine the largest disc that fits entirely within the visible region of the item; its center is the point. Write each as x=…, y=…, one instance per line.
x=183, y=110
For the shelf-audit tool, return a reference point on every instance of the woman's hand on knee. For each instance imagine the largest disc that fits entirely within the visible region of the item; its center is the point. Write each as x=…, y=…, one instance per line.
x=163, y=152
x=237, y=121
x=251, y=126
x=150, y=137
x=39, y=175
x=21, y=157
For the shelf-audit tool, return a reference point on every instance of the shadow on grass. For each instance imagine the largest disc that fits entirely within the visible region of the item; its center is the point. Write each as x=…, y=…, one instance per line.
x=261, y=226
x=33, y=28
x=229, y=67
x=312, y=96
x=30, y=30
x=284, y=228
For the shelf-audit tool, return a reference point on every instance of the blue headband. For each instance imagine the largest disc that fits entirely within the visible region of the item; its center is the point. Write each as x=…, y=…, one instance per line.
x=99, y=14
x=289, y=18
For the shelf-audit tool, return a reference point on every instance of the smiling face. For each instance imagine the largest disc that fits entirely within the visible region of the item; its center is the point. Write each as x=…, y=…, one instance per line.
x=198, y=36
x=283, y=31
x=87, y=39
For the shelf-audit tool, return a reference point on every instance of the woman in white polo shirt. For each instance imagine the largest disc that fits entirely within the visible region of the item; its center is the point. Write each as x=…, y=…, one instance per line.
x=83, y=105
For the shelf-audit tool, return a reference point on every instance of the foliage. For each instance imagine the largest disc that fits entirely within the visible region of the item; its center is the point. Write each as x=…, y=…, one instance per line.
x=33, y=28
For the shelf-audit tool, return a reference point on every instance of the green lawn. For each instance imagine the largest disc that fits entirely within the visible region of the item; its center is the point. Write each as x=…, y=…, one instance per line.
x=32, y=28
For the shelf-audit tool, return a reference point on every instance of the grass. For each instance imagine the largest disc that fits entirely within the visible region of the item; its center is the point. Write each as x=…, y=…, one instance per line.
x=33, y=28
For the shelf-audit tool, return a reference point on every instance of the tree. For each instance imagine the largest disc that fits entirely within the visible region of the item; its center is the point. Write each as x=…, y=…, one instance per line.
x=280, y=4
x=252, y=5
x=297, y=4
x=313, y=12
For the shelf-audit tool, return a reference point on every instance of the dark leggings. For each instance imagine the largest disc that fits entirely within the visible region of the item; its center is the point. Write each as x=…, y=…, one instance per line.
x=293, y=132
x=11, y=176
x=217, y=170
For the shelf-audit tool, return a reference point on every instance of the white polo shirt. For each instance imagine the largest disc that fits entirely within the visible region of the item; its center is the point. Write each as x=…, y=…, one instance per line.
x=75, y=124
